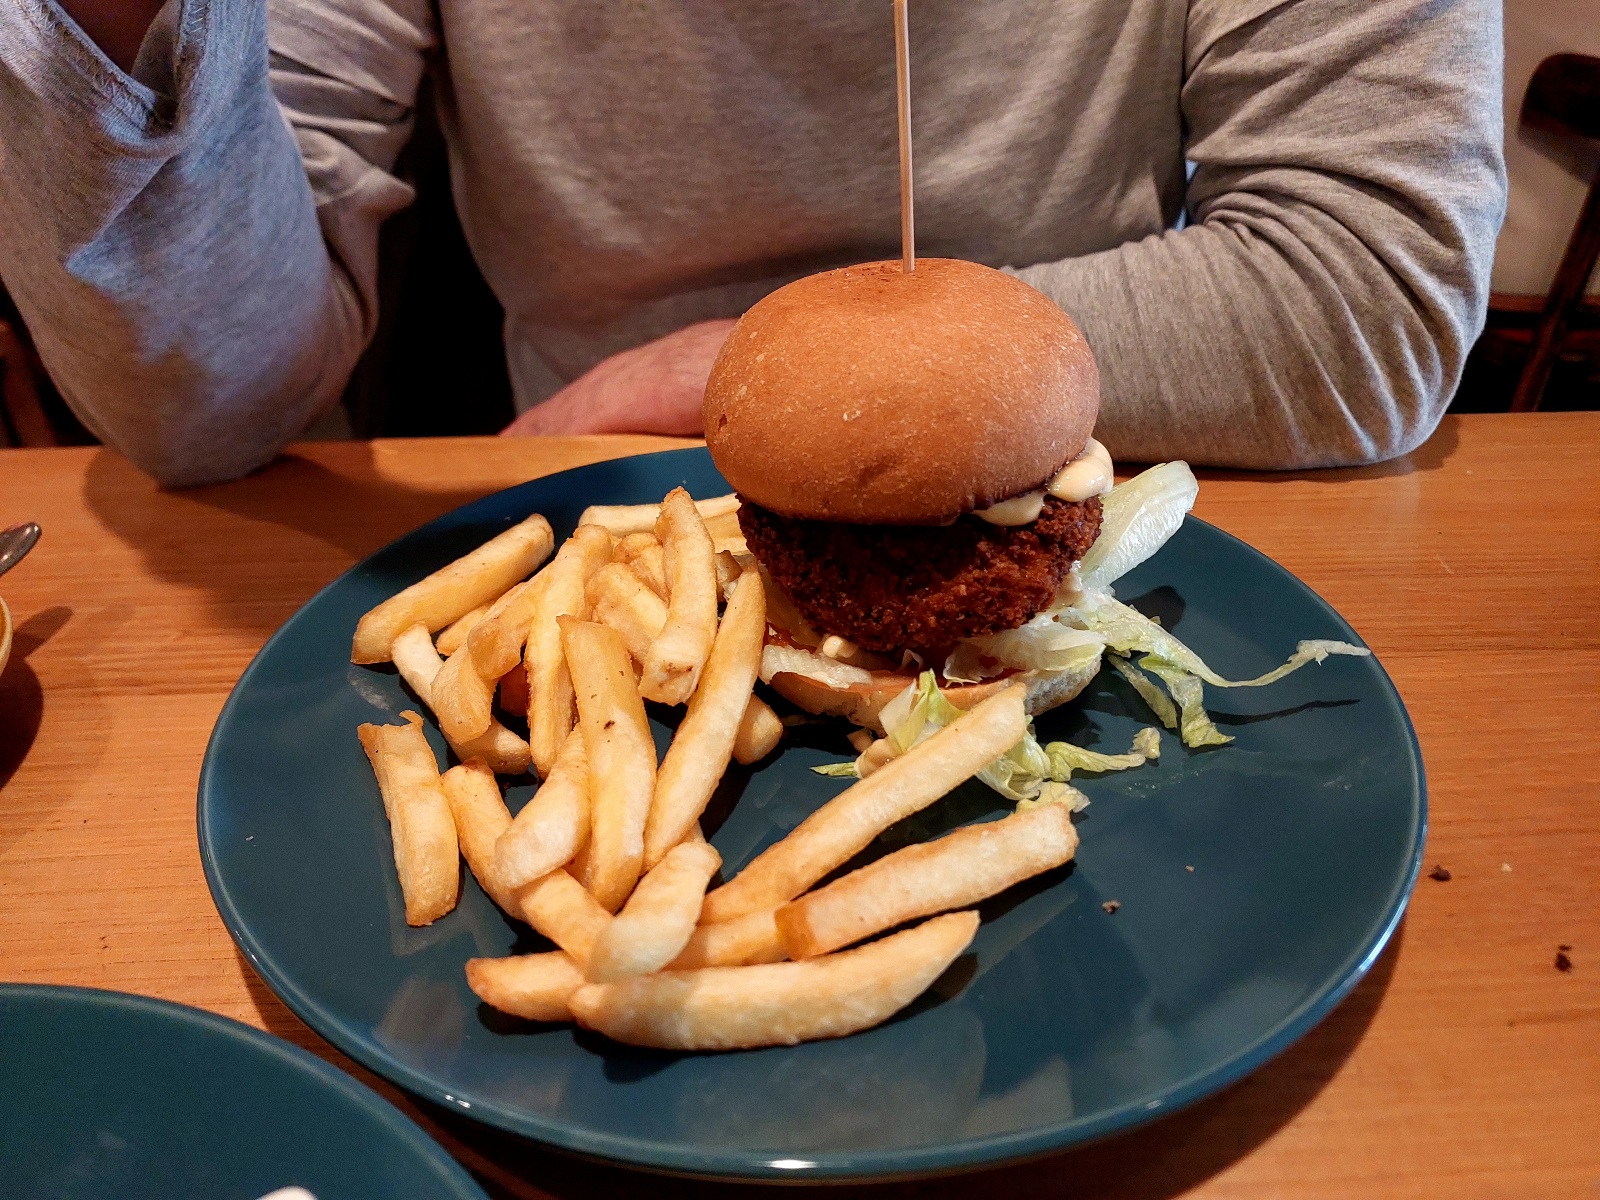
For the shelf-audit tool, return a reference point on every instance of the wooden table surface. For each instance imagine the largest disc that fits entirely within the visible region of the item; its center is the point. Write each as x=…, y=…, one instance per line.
x=1465, y=1065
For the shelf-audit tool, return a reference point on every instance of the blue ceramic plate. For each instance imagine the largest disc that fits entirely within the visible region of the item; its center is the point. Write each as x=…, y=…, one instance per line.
x=105, y=1096
x=1064, y=1023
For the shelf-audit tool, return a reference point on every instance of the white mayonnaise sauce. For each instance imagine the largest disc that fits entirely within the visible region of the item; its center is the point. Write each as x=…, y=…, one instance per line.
x=1090, y=474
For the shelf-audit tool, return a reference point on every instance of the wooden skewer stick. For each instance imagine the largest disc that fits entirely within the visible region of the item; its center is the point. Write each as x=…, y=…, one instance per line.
x=902, y=88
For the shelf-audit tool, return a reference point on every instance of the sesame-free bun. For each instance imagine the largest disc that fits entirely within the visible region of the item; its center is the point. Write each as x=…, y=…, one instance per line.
x=862, y=703
x=871, y=396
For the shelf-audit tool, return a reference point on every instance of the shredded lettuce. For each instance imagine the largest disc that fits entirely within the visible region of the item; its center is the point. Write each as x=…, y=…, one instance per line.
x=1160, y=703
x=791, y=660
x=1065, y=758
x=1056, y=792
x=1138, y=517
x=917, y=713
x=1042, y=644
x=838, y=770
x=1032, y=773
x=1195, y=726
x=1128, y=631
x=1027, y=772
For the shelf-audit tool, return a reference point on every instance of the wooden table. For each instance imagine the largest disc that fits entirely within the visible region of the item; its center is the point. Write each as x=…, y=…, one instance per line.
x=1466, y=1064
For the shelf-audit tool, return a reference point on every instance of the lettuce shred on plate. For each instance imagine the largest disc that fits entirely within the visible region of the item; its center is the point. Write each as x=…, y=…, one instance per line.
x=1087, y=625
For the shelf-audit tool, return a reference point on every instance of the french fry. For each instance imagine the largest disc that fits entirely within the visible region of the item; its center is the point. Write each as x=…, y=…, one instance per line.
x=760, y=731
x=955, y=871
x=623, y=519
x=643, y=554
x=782, y=614
x=650, y=565
x=418, y=663
x=562, y=909
x=533, y=986
x=481, y=818
x=656, y=923
x=549, y=682
x=496, y=641
x=752, y=938
x=552, y=826
x=723, y=525
x=880, y=751
x=728, y=571
x=779, y=1004
x=623, y=602
x=672, y=667
x=426, y=853
x=620, y=599
x=631, y=545
x=455, y=590
x=463, y=700
x=578, y=868
x=454, y=635
x=845, y=825
x=735, y=546
x=703, y=744
x=621, y=753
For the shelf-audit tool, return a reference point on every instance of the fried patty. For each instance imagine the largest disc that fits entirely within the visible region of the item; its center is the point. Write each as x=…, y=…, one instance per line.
x=916, y=587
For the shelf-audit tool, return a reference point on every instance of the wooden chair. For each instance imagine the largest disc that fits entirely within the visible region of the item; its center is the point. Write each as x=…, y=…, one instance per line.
x=1563, y=99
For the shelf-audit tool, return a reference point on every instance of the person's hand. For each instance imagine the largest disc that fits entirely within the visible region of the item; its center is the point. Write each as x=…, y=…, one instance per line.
x=653, y=388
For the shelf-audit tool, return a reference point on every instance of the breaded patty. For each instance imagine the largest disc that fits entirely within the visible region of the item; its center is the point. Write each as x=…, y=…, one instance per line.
x=916, y=587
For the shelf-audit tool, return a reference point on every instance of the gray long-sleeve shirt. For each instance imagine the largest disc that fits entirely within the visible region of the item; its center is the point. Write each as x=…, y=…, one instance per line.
x=194, y=244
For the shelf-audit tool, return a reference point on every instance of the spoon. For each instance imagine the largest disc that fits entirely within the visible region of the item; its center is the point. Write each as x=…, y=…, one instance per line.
x=15, y=543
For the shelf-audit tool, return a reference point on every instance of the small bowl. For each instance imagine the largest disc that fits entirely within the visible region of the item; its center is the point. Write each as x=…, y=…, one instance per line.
x=5, y=634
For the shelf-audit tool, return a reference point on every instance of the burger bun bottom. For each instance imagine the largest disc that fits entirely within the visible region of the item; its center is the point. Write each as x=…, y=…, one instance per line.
x=863, y=703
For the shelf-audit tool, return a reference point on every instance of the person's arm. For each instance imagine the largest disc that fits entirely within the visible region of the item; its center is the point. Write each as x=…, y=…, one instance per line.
x=194, y=254
x=1347, y=190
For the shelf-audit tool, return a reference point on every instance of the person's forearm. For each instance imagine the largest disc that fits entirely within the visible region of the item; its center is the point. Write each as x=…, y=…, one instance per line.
x=1217, y=347
x=116, y=26
x=167, y=254
x=1346, y=198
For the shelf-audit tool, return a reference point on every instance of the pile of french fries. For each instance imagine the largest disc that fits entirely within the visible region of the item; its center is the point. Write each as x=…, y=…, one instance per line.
x=607, y=859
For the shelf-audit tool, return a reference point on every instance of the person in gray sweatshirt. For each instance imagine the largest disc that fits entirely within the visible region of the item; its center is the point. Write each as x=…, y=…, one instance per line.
x=1273, y=219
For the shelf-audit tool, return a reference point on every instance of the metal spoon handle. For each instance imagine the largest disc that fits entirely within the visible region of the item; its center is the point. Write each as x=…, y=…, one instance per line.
x=15, y=544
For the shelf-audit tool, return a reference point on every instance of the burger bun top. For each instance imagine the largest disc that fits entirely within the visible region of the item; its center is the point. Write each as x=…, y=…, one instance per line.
x=871, y=396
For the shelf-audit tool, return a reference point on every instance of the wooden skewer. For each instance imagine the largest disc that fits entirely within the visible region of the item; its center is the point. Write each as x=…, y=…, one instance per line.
x=902, y=87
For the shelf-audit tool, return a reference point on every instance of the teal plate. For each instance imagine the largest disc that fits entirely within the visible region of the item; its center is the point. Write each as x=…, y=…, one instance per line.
x=1064, y=1023
x=106, y=1096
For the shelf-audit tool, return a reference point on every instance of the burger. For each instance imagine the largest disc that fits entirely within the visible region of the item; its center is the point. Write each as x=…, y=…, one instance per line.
x=917, y=481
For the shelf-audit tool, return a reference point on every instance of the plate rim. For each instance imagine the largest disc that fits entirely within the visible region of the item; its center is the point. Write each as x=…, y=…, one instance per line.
x=674, y=1158
x=261, y=1043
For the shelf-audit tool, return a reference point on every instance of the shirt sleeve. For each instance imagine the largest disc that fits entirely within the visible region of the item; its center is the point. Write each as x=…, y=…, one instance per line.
x=193, y=243
x=1347, y=185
